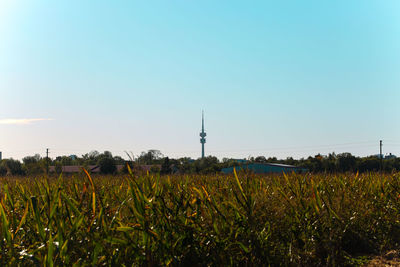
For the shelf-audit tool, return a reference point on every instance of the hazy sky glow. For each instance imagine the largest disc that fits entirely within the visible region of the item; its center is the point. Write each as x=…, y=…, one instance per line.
x=275, y=78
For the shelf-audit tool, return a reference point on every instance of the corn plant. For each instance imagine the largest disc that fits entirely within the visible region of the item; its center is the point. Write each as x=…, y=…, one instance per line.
x=243, y=219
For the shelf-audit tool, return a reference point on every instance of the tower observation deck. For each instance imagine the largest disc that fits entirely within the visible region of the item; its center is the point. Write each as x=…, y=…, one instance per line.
x=202, y=135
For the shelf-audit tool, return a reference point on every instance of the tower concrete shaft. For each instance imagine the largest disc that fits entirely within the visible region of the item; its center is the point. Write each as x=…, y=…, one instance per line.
x=202, y=135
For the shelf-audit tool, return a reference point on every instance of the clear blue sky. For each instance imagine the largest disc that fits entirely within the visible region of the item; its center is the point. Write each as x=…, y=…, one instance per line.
x=275, y=78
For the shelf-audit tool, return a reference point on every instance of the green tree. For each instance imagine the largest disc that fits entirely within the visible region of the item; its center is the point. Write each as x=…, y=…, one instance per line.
x=371, y=163
x=165, y=166
x=107, y=165
x=260, y=159
x=208, y=164
x=346, y=162
x=90, y=158
x=34, y=164
x=152, y=156
x=13, y=167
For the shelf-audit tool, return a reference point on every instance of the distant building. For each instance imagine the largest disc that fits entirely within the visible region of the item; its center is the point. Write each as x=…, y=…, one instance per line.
x=390, y=156
x=96, y=168
x=76, y=169
x=1, y=156
x=260, y=168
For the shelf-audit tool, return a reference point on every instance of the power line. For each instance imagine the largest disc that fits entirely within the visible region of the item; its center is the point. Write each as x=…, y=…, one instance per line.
x=305, y=148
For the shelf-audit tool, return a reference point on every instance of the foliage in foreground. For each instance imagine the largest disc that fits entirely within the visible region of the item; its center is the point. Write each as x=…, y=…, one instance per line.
x=204, y=220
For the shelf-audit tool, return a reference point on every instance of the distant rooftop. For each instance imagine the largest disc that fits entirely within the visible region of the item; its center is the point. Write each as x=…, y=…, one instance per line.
x=279, y=165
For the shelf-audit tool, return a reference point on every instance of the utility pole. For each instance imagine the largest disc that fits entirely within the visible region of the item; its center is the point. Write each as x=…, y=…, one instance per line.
x=47, y=161
x=380, y=154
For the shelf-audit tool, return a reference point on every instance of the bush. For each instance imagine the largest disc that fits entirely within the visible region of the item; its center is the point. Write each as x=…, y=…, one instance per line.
x=12, y=167
x=107, y=165
x=3, y=170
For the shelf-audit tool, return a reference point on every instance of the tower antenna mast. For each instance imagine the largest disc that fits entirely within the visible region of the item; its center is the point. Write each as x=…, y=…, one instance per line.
x=202, y=135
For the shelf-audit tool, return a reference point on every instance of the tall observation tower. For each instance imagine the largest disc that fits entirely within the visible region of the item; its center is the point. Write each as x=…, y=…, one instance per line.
x=202, y=135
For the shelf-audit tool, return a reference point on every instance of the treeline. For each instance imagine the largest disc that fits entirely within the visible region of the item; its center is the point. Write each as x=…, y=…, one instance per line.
x=34, y=165
x=156, y=162
x=332, y=163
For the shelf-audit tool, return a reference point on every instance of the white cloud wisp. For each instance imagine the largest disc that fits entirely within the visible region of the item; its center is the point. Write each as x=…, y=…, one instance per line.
x=21, y=121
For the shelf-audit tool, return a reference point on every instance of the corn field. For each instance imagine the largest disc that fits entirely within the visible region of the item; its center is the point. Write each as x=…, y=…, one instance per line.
x=246, y=220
